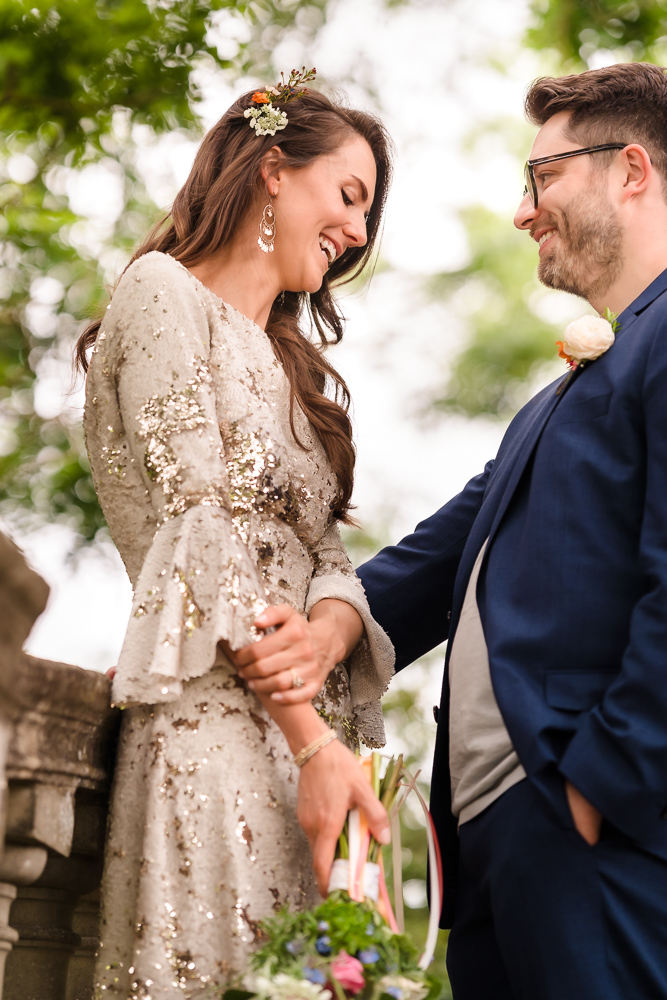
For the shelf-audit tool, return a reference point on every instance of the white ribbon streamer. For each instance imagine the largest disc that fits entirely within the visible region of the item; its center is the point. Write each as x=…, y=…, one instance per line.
x=434, y=879
x=340, y=878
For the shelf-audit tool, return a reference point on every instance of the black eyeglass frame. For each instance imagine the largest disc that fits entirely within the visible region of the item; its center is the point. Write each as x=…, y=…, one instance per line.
x=529, y=173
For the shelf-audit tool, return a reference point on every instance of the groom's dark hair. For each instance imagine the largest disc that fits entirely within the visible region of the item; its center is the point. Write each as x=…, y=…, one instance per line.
x=622, y=103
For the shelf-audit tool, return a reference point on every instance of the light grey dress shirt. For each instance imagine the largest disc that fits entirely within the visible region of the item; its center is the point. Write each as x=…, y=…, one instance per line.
x=483, y=762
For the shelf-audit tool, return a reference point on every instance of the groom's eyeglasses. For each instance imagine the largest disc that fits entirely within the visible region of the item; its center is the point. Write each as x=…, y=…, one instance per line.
x=529, y=171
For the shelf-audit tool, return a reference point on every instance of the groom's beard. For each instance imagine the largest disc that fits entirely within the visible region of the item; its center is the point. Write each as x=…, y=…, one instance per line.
x=588, y=256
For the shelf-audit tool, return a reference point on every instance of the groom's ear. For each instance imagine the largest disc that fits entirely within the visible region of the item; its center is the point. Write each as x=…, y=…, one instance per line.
x=636, y=170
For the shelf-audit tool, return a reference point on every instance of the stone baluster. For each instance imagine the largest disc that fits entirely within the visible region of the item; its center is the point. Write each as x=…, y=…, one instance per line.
x=57, y=737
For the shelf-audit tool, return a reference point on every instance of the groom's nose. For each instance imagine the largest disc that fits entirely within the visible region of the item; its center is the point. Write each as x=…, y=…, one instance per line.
x=525, y=213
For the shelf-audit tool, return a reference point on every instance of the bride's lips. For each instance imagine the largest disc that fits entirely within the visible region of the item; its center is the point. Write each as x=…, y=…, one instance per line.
x=335, y=244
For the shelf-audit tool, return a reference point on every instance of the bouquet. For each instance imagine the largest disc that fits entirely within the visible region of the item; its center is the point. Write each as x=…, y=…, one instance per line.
x=352, y=945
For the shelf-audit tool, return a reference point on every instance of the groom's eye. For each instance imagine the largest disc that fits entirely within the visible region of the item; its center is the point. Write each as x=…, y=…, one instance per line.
x=542, y=177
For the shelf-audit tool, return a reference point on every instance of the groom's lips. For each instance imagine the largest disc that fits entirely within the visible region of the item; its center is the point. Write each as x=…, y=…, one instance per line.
x=539, y=233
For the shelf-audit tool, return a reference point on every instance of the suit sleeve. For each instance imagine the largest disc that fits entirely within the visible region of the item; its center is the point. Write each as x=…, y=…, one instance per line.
x=618, y=757
x=410, y=586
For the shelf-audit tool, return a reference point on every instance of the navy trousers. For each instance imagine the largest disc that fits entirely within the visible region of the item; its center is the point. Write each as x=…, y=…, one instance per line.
x=541, y=915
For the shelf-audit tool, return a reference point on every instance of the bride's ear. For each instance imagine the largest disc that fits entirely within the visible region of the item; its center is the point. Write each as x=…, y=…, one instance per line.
x=272, y=162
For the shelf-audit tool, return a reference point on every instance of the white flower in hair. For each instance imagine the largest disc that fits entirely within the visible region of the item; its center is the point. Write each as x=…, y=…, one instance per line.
x=266, y=120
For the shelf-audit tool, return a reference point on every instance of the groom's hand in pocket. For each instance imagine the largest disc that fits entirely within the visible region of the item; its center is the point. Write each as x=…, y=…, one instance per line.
x=330, y=784
x=587, y=819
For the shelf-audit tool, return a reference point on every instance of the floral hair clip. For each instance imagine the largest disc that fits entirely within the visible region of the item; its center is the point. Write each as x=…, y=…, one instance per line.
x=267, y=120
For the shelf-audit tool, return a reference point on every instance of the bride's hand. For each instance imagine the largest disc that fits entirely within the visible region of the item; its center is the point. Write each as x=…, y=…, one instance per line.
x=299, y=650
x=330, y=784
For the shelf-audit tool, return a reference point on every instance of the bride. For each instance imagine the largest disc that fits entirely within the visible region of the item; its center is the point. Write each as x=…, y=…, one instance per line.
x=224, y=469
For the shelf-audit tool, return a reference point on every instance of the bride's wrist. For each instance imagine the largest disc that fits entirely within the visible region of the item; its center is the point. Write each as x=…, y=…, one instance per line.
x=314, y=747
x=300, y=723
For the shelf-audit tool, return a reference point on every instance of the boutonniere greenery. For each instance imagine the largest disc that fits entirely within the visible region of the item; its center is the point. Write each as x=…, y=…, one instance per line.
x=585, y=339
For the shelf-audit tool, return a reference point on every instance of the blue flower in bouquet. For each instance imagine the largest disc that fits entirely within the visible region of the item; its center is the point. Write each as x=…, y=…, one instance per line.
x=314, y=975
x=323, y=926
x=295, y=947
x=323, y=945
x=369, y=956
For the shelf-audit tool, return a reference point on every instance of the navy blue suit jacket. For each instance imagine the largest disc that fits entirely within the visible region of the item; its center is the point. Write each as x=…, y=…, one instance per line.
x=573, y=588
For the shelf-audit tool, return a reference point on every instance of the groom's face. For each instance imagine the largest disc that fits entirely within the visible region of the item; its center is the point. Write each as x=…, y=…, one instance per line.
x=575, y=225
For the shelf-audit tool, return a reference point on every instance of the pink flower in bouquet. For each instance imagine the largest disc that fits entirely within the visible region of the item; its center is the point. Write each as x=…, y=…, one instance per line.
x=348, y=971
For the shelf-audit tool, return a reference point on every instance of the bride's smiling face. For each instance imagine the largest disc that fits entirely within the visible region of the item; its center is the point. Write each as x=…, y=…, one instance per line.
x=321, y=210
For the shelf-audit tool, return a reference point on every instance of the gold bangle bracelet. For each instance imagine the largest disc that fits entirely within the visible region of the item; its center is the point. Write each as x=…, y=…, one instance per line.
x=312, y=748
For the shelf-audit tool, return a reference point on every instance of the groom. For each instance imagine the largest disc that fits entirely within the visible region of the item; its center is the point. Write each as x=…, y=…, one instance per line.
x=548, y=575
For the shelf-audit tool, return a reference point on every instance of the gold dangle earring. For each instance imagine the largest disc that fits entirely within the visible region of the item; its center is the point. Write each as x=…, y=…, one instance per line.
x=267, y=229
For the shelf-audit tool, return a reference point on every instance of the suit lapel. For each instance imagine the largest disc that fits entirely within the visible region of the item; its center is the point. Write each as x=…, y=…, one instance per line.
x=501, y=490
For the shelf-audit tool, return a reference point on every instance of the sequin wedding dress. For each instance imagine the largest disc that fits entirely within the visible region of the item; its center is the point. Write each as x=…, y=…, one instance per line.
x=217, y=513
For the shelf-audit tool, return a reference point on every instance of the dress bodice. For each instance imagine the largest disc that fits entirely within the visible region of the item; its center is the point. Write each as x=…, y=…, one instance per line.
x=216, y=508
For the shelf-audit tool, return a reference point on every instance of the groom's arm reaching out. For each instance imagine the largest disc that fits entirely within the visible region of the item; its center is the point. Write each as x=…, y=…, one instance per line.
x=410, y=586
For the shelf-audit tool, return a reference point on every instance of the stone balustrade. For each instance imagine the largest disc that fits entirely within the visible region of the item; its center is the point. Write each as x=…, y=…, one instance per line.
x=57, y=739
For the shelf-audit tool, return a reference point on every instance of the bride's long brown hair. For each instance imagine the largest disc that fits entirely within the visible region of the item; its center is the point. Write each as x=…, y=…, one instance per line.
x=221, y=190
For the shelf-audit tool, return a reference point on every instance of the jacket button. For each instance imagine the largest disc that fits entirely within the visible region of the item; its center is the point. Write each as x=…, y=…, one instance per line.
x=436, y=713
x=449, y=616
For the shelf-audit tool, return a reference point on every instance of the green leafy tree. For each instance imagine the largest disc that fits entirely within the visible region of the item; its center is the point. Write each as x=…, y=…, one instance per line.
x=509, y=337
x=77, y=77
x=633, y=30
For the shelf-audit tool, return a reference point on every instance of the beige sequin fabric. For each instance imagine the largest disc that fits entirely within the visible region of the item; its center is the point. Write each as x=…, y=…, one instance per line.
x=217, y=513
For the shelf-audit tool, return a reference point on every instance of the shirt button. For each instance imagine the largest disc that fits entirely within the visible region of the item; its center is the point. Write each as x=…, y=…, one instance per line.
x=436, y=713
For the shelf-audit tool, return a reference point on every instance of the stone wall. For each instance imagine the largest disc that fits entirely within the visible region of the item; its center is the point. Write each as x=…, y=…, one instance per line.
x=57, y=741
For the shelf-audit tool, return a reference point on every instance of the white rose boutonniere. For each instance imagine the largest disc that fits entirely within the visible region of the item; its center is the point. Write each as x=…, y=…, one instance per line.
x=587, y=338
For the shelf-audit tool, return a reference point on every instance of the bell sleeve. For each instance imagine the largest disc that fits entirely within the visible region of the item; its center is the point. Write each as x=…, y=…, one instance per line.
x=198, y=582
x=371, y=665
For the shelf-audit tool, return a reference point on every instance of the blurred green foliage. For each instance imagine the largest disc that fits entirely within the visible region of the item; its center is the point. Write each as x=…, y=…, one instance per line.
x=77, y=77
x=634, y=30
x=493, y=293
x=507, y=341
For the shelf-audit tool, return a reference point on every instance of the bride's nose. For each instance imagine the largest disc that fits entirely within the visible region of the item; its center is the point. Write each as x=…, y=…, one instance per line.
x=355, y=233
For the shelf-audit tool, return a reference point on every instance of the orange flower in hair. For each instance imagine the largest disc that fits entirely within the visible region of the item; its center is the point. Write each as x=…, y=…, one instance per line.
x=260, y=97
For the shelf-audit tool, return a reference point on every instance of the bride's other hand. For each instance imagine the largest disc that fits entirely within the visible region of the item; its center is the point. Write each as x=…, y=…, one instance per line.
x=299, y=650
x=330, y=784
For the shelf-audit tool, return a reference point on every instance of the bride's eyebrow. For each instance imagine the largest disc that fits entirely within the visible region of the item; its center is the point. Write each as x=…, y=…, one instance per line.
x=364, y=189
